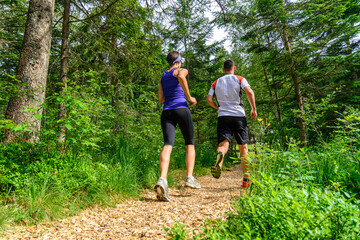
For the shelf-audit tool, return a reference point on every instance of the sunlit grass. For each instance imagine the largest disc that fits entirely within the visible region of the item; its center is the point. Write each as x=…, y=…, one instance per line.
x=51, y=186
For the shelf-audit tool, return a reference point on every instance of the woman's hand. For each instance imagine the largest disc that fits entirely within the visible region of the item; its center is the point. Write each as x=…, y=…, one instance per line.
x=193, y=101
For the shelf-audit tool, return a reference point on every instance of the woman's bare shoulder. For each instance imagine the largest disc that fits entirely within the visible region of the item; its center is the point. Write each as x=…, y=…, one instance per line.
x=179, y=70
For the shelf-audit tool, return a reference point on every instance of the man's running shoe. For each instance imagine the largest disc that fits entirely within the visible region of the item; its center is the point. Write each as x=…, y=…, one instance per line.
x=162, y=190
x=217, y=165
x=192, y=183
x=246, y=183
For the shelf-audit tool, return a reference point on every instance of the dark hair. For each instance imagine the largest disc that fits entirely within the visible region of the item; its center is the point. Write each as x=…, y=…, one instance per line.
x=171, y=57
x=229, y=65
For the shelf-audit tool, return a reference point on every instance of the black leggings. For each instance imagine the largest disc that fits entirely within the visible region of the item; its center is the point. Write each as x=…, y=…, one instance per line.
x=181, y=116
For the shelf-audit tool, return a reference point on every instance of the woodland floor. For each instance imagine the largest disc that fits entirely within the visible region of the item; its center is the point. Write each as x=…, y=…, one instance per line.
x=144, y=218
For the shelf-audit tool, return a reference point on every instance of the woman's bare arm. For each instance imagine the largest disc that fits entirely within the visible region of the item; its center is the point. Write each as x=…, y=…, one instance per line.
x=181, y=74
x=161, y=96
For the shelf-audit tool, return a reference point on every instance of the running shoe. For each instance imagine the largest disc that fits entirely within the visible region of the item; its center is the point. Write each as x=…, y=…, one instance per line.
x=246, y=183
x=217, y=165
x=192, y=183
x=162, y=190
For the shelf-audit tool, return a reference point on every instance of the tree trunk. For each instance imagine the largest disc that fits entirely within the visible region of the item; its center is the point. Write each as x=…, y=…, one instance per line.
x=198, y=130
x=64, y=67
x=278, y=106
x=115, y=83
x=116, y=104
x=299, y=99
x=277, y=110
x=32, y=71
x=187, y=59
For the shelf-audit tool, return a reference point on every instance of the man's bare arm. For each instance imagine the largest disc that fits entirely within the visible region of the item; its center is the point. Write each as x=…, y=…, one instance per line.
x=251, y=98
x=210, y=101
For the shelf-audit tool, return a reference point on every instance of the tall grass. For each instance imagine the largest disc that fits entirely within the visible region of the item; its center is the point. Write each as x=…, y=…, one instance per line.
x=38, y=183
x=332, y=166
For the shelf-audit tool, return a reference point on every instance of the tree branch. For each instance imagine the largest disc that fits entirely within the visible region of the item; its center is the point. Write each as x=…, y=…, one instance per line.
x=277, y=100
x=95, y=15
x=222, y=9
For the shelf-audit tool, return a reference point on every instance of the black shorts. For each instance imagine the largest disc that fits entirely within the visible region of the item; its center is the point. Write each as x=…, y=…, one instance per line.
x=181, y=116
x=228, y=125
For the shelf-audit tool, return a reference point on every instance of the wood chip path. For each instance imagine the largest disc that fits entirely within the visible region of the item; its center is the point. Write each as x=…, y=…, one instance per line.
x=145, y=218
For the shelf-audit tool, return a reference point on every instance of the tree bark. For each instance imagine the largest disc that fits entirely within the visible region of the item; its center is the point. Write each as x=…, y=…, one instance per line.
x=198, y=130
x=115, y=83
x=278, y=106
x=299, y=98
x=116, y=104
x=277, y=111
x=32, y=71
x=64, y=68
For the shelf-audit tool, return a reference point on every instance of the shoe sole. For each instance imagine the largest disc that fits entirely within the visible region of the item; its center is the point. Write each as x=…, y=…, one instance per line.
x=192, y=186
x=160, y=194
x=215, y=168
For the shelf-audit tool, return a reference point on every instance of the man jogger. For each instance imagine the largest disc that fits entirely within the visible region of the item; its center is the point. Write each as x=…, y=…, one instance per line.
x=231, y=116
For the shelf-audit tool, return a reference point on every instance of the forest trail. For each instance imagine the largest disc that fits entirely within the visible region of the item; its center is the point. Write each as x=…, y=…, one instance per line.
x=144, y=218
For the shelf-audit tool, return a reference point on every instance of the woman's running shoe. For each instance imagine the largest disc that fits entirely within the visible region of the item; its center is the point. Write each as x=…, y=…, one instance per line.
x=192, y=183
x=217, y=165
x=162, y=190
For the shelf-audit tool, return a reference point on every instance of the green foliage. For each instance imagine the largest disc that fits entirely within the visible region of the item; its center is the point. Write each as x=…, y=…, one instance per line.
x=12, y=25
x=39, y=183
x=288, y=213
x=116, y=60
x=349, y=126
x=313, y=166
x=323, y=43
x=177, y=232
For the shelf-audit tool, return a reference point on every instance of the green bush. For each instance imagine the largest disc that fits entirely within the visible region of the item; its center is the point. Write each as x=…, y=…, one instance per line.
x=290, y=214
x=286, y=213
x=333, y=165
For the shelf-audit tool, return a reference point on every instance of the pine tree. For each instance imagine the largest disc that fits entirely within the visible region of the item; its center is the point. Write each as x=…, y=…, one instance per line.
x=25, y=109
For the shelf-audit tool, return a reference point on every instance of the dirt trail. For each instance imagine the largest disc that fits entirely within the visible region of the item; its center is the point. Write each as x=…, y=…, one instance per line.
x=145, y=218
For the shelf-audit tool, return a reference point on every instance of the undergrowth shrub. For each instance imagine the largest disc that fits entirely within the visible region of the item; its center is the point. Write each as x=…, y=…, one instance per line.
x=299, y=193
x=289, y=213
x=332, y=166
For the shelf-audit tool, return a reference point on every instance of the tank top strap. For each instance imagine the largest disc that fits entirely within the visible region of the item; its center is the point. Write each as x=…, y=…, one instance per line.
x=172, y=70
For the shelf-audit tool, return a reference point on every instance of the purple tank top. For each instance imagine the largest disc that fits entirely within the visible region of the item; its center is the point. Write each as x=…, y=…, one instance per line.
x=173, y=92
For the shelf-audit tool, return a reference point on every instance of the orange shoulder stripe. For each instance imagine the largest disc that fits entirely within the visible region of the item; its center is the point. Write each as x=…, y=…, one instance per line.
x=240, y=78
x=214, y=84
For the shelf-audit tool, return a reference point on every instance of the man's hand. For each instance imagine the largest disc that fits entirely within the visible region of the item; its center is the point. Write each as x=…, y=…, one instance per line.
x=253, y=113
x=193, y=101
